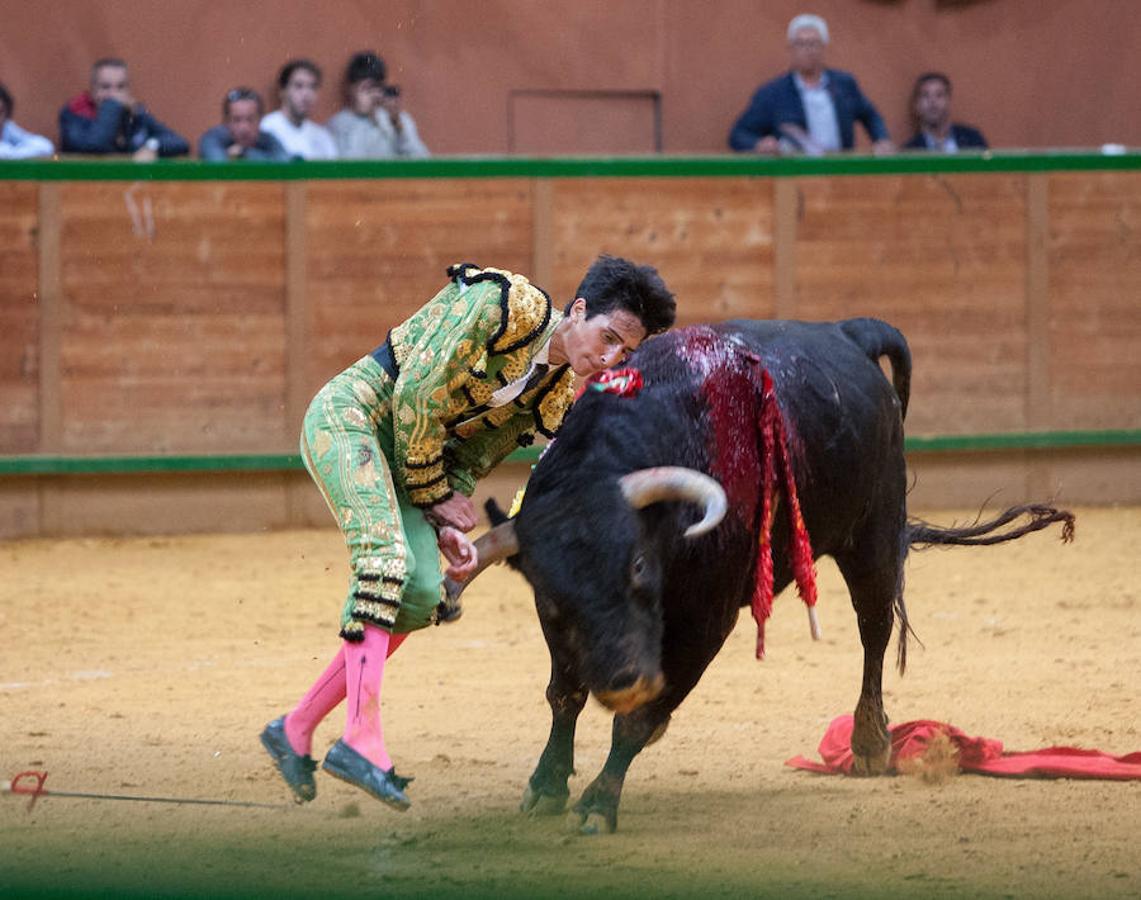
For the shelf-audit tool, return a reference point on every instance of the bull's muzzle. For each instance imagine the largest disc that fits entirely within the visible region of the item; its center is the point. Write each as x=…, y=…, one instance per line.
x=627, y=699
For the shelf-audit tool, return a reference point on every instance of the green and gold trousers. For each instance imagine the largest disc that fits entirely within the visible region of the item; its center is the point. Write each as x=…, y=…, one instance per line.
x=347, y=446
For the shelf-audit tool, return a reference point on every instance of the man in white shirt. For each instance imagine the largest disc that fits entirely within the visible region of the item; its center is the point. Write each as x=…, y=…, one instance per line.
x=15, y=142
x=810, y=109
x=302, y=138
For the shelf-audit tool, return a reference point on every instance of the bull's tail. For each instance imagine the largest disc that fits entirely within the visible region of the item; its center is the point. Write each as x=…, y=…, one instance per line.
x=495, y=513
x=923, y=534
x=876, y=339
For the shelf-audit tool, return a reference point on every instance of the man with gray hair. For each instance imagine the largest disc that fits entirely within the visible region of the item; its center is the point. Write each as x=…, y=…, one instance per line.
x=108, y=119
x=810, y=109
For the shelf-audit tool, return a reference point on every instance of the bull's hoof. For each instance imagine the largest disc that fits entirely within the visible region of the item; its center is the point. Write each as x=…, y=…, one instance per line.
x=658, y=733
x=540, y=804
x=871, y=764
x=590, y=823
x=871, y=741
x=449, y=611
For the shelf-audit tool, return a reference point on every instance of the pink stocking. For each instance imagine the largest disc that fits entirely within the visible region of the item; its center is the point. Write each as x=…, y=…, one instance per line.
x=322, y=699
x=364, y=671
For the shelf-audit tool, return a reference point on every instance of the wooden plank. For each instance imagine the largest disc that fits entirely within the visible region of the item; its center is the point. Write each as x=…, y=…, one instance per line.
x=19, y=508
x=19, y=318
x=296, y=342
x=51, y=326
x=1039, y=477
x=943, y=258
x=542, y=231
x=297, y=310
x=166, y=504
x=1095, y=283
x=173, y=317
x=51, y=312
x=958, y=480
x=711, y=239
x=1037, y=302
x=787, y=205
x=377, y=251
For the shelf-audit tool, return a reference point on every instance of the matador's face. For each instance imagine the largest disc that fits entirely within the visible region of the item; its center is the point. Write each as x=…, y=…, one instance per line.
x=600, y=341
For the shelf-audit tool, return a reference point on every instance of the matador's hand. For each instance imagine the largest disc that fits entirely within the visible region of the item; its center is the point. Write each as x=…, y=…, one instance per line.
x=456, y=511
x=459, y=552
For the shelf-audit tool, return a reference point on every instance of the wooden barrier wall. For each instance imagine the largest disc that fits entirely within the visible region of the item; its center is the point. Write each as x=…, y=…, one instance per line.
x=200, y=316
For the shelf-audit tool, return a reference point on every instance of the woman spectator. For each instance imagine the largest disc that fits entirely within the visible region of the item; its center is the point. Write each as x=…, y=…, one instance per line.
x=373, y=124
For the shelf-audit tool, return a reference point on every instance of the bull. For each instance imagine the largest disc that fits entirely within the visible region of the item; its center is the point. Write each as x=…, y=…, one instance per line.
x=657, y=515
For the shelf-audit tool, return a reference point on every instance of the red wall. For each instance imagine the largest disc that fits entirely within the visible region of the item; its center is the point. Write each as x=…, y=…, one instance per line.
x=1029, y=73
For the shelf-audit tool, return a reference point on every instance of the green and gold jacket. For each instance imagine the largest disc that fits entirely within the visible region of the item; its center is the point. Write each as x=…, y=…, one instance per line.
x=479, y=333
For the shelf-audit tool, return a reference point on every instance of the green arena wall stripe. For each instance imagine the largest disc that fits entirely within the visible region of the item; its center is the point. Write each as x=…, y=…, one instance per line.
x=667, y=166
x=43, y=464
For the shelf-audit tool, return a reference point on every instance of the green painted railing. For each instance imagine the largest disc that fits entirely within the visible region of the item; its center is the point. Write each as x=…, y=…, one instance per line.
x=37, y=464
x=660, y=166
x=1024, y=440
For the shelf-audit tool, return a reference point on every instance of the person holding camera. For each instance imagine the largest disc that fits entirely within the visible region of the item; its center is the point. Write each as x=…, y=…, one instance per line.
x=373, y=124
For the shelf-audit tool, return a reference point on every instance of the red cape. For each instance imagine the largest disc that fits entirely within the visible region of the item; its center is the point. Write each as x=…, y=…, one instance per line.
x=976, y=754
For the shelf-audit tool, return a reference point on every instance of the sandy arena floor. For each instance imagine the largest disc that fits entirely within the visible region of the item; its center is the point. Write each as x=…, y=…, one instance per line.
x=148, y=666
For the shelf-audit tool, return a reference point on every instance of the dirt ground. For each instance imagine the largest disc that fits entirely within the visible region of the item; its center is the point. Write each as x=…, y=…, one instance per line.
x=148, y=666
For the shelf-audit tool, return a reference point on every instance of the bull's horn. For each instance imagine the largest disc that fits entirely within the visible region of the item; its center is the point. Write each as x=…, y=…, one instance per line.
x=491, y=547
x=648, y=486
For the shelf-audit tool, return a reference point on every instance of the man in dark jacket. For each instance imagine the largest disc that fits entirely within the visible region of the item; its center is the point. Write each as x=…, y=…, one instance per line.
x=810, y=109
x=238, y=137
x=931, y=106
x=107, y=119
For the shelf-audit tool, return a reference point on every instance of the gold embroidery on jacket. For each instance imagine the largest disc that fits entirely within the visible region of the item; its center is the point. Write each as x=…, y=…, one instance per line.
x=453, y=355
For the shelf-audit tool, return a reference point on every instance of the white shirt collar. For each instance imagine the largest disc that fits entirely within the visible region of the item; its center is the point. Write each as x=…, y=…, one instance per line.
x=802, y=85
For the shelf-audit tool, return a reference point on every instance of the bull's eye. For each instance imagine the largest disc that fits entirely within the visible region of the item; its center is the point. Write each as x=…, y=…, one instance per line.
x=638, y=566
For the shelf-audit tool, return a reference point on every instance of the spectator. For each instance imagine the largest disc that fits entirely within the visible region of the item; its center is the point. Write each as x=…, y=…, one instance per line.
x=373, y=125
x=238, y=136
x=15, y=142
x=810, y=109
x=108, y=119
x=301, y=137
x=931, y=106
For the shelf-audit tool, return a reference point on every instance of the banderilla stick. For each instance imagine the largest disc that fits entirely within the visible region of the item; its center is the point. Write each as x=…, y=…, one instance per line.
x=23, y=784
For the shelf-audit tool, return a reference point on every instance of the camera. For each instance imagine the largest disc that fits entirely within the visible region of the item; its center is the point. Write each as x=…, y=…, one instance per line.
x=391, y=90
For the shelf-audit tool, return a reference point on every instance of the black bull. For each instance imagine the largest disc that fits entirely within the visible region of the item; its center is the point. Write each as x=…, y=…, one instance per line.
x=632, y=610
